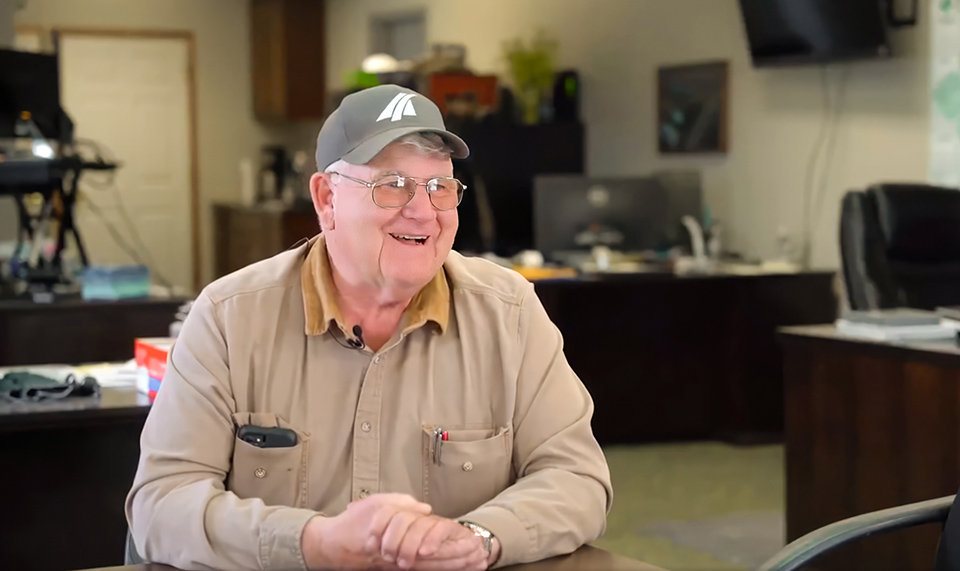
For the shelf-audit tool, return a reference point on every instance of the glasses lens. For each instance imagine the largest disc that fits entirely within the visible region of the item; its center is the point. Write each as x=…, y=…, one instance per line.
x=393, y=191
x=445, y=193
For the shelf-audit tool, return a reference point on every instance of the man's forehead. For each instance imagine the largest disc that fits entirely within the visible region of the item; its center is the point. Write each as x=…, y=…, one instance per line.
x=400, y=171
x=390, y=164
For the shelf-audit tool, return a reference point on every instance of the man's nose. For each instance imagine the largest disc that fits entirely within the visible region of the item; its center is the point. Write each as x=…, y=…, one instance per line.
x=420, y=207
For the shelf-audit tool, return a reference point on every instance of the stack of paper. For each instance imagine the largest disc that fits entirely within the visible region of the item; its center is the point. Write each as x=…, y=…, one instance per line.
x=900, y=324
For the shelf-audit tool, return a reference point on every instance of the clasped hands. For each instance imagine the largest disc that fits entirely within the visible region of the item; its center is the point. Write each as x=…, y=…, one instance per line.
x=391, y=532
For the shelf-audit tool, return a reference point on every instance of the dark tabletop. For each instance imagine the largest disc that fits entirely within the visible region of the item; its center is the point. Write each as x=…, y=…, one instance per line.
x=25, y=304
x=584, y=559
x=943, y=353
x=669, y=276
x=113, y=403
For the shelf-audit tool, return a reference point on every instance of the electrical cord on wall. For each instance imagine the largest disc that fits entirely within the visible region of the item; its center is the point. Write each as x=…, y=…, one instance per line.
x=810, y=173
x=814, y=187
x=117, y=237
x=106, y=182
x=829, y=154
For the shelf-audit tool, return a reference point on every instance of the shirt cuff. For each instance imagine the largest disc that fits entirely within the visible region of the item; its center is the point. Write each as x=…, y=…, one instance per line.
x=280, y=539
x=516, y=541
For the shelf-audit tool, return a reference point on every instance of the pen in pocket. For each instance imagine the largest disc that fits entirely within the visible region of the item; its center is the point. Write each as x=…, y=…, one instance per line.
x=439, y=436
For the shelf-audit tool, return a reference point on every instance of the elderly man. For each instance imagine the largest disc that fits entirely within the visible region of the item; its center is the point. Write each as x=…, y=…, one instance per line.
x=370, y=399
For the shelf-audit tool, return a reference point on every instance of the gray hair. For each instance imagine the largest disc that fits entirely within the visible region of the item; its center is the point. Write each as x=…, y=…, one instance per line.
x=335, y=166
x=425, y=144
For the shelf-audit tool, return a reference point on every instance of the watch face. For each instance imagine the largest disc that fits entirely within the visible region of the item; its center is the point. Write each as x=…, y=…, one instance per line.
x=480, y=531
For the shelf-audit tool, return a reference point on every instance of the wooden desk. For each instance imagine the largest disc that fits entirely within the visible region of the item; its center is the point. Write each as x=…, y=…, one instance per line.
x=76, y=331
x=697, y=355
x=584, y=559
x=66, y=466
x=66, y=469
x=869, y=425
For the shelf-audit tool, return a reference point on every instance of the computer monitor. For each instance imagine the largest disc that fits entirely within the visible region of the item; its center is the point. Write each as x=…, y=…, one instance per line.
x=30, y=82
x=573, y=213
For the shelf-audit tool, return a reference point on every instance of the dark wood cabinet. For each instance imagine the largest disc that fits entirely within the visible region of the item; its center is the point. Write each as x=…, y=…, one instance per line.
x=244, y=235
x=75, y=331
x=287, y=38
x=870, y=425
x=684, y=358
x=70, y=465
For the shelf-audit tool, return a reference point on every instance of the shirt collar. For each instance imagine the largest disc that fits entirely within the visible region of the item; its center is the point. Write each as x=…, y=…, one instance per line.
x=432, y=303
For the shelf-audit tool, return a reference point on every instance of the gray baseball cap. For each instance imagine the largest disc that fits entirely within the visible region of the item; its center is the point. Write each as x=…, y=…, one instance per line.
x=369, y=120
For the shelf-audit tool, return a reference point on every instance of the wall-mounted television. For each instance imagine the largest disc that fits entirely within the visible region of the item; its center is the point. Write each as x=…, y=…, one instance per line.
x=793, y=32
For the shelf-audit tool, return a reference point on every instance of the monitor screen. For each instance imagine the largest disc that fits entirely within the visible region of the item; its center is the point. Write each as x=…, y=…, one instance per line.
x=574, y=212
x=29, y=82
x=783, y=32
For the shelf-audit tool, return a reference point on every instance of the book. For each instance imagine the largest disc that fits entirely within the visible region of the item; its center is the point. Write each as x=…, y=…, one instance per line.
x=952, y=312
x=879, y=332
x=900, y=316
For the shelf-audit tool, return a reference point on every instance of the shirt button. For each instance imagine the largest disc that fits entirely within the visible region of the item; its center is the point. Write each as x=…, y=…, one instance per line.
x=376, y=360
x=366, y=426
x=260, y=473
x=363, y=493
x=467, y=466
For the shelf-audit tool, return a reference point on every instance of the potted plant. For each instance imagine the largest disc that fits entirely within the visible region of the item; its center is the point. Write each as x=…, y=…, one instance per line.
x=532, y=70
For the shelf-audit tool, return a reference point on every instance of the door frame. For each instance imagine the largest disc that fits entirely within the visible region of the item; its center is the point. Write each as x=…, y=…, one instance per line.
x=189, y=37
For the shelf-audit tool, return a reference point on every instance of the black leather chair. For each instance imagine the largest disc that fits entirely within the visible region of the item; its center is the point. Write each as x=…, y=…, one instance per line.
x=807, y=549
x=900, y=245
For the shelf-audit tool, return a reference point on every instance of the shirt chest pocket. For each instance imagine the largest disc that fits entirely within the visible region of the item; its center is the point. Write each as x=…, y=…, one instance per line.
x=278, y=476
x=472, y=467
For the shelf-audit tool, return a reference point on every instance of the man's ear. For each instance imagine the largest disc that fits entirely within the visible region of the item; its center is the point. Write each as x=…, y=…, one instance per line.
x=321, y=191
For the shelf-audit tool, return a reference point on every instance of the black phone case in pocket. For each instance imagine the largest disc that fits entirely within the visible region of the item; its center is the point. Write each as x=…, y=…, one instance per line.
x=266, y=437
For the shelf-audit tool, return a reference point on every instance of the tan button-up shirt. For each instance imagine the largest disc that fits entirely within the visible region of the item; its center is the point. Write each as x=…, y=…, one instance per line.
x=475, y=355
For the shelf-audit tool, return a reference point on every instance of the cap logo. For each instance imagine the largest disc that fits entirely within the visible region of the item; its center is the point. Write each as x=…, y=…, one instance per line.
x=398, y=107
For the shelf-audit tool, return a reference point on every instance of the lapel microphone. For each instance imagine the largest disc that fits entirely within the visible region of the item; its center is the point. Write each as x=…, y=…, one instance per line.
x=357, y=342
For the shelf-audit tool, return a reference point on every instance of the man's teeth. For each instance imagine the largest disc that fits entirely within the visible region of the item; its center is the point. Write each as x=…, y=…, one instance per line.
x=419, y=239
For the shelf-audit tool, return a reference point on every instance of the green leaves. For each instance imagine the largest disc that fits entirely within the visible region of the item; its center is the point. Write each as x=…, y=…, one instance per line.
x=531, y=66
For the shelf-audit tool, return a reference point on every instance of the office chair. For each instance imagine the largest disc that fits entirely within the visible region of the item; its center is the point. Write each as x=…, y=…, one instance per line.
x=900, y=246
x=806, y=549
x=130, y=554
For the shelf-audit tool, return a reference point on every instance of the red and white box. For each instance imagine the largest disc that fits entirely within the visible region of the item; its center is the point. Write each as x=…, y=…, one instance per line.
x=151, y=355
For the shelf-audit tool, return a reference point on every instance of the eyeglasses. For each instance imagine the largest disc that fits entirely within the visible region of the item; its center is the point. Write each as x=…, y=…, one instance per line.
x=395, y=191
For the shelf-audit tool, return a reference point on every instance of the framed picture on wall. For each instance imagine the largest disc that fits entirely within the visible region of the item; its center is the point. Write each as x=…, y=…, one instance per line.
x=692, y=108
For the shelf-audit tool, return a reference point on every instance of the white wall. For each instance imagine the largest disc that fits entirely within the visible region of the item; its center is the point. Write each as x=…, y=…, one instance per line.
x=8, y=209
x=227, y=129
x=775, y=114
x=6, y=22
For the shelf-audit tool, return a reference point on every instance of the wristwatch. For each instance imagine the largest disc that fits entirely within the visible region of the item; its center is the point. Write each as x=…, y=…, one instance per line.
x=483, y=533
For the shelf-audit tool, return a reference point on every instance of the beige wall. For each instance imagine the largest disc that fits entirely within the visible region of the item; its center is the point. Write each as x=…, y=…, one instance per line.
x=6, y=23
x=227, y=130
x=8, y=209
x=775, y=113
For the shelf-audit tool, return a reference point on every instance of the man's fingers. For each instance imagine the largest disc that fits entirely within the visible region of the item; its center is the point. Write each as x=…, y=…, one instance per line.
x=455, y=548
x=378, y=521
x=409, y=547
x=474, y=561
x=404, y=501
x=445, y=530
x=393, y=535
x=377, y=525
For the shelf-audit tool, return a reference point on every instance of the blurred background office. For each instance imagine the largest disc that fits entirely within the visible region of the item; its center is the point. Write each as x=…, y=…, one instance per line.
x=671, y=174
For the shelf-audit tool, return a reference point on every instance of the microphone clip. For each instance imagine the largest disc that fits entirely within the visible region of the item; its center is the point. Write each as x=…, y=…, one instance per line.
x=357, y=341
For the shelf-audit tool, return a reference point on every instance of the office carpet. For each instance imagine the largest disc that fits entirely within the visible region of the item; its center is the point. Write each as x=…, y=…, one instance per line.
x=696, y=507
